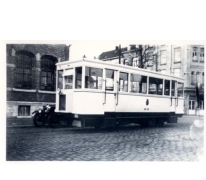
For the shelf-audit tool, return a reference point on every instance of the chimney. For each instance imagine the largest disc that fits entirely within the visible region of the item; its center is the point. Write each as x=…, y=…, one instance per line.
x=66, y=52
x=116, y=48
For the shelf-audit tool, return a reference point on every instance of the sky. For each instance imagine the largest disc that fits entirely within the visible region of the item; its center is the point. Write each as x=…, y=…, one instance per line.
x=91, y=48
x=94, y=48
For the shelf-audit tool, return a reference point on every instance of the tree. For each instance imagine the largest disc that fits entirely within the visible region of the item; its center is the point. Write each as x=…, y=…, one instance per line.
x=142, y=56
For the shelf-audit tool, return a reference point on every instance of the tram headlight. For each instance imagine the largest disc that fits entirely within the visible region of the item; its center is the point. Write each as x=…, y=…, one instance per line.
x=76, y=115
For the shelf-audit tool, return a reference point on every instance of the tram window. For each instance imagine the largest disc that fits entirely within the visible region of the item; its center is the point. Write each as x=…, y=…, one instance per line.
x=173, y=88
x=138, y=83
x=180, y=88
x=155, y=86
x=60, y=79
x=167, y=88
x=68, y=82
x=109, y=80
x=93, y=78
x=78, y=77
x=123, y=82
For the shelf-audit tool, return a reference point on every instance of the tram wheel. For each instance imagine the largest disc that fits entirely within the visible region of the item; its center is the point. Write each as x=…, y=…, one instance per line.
x=159, y=122
x=144, y=124
x=152, y=123
x=97, y=126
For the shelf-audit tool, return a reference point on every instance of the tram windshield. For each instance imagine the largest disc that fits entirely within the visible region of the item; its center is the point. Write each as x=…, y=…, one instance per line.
x=68, y=79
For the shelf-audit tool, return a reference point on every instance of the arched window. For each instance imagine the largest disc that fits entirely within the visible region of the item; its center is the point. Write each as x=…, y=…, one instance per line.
x=23, y=70
x=47, y=72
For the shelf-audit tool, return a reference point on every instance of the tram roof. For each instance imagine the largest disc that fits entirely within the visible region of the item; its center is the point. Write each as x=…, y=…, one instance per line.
x=114, y=66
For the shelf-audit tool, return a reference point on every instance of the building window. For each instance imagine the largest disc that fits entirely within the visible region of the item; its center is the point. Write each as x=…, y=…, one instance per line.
x=177, y=72
x=193, y=80
x=177, y=55
x=191, y=105
x=24, y=111
x=23, y=71
x=198, y=77
x=163, y=57
x=194, y=54
x=47, y=73
x=202, y=55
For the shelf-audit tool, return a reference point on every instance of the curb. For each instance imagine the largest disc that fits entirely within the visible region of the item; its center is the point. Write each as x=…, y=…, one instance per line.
x=19, y=126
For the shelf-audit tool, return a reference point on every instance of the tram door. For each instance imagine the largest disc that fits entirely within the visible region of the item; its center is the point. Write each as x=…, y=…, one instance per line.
x=173, y=101
x=110, y=94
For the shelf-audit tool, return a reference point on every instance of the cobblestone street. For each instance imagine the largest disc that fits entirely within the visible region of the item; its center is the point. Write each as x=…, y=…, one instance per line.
x=129, y=143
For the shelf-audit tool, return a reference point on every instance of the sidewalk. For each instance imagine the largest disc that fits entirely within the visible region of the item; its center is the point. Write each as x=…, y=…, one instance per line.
x=19, y=122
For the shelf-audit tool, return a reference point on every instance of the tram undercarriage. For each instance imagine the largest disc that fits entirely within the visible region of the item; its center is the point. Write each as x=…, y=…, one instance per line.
x=118, y=119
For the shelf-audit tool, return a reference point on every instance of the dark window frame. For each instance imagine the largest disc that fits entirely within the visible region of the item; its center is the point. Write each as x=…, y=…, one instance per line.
x=155, y=82
x=24, y=110
x=47, y=73
x=23, y=71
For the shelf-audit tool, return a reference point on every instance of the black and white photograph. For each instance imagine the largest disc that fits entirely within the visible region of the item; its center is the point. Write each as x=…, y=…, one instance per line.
x=133, y=102
x=102, y=89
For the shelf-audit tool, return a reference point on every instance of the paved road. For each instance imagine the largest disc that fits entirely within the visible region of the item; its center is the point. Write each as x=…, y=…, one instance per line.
x=131, y=143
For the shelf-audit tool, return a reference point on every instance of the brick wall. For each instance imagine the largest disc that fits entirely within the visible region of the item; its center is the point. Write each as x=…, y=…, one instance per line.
x=59, y=52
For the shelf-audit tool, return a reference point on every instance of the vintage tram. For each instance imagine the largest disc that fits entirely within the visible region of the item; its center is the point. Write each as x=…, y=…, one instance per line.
x=101, y=94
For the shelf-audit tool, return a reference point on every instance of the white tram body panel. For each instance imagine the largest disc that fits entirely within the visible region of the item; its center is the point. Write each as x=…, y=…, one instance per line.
x=138, y=104
x=88, y=103
x=89, y=90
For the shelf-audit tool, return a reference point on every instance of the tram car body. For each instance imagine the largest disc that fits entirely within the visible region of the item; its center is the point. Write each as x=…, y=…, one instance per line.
x=101, y=94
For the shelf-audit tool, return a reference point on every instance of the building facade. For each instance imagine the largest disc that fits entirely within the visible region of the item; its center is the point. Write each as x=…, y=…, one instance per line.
x=185, y=61
x=31, y=76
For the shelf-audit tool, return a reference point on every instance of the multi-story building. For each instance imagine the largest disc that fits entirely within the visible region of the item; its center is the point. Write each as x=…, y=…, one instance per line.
x=185, y=61
x=31, y=76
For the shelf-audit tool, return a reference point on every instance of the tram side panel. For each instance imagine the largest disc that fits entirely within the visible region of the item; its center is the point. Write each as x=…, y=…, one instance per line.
x=87, y=108
x=142, y=108
x=180, y=107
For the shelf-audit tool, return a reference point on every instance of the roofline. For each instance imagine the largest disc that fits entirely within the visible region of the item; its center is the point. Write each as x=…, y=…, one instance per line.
x=133, y=50
x=120, y=66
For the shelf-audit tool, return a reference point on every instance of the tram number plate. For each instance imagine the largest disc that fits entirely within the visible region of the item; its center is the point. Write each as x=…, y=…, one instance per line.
x=146, y=109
